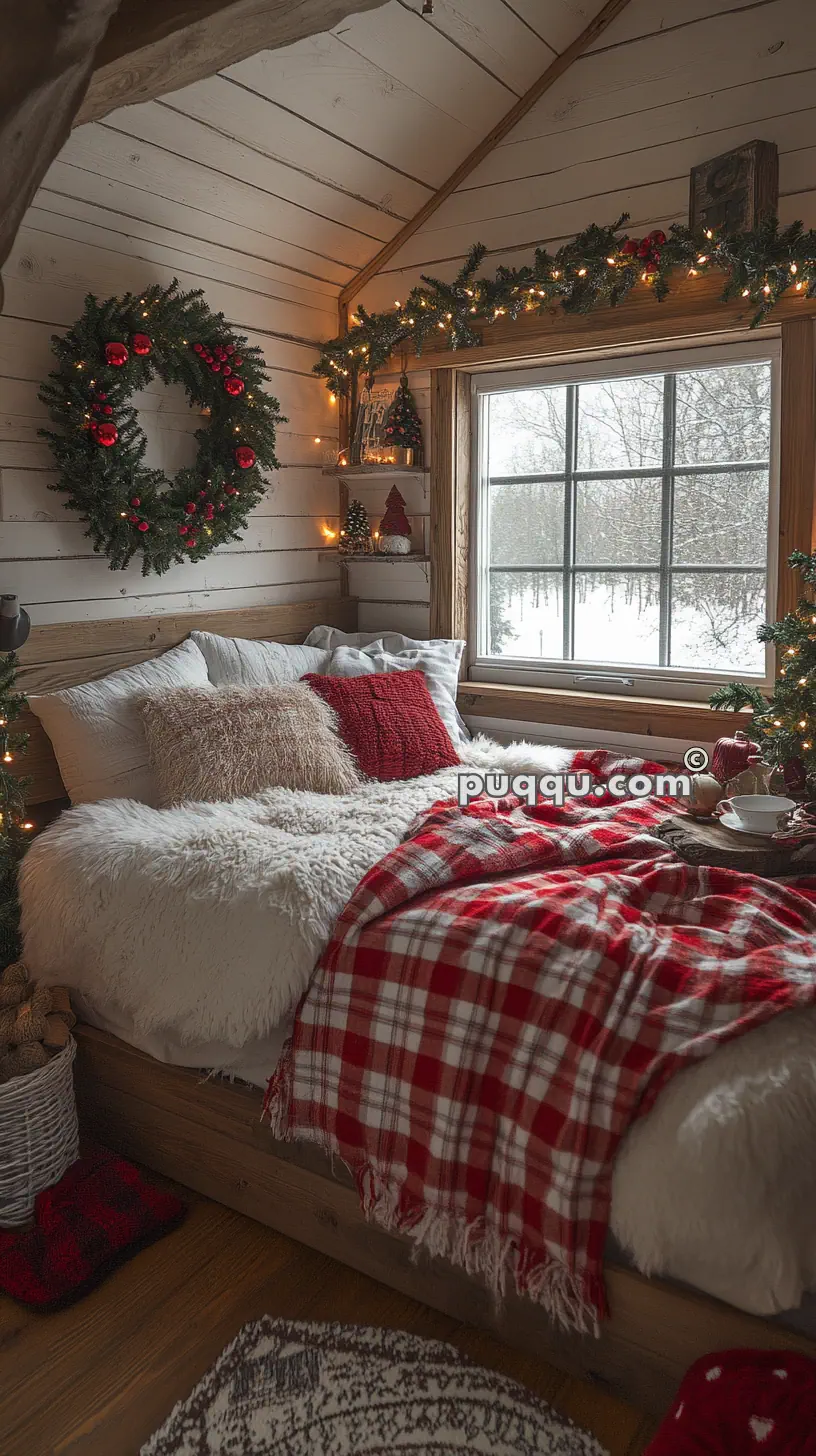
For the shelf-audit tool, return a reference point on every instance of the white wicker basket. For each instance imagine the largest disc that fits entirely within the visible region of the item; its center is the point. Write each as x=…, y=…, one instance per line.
x=38, y=1134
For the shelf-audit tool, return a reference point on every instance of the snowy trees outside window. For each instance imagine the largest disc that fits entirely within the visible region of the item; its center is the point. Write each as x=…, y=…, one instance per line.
x=626, y=519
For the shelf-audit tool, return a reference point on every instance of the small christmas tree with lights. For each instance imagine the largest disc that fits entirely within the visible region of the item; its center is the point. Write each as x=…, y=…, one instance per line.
x=14, y=826
x=355, y=535
x=403, y=428
x=785, y=725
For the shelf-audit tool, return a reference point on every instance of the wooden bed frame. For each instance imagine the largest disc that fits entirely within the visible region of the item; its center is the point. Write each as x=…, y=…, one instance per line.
x=208, y=1134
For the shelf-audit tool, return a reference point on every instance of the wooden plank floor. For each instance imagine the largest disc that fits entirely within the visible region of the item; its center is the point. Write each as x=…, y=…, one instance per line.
x=98, y=1379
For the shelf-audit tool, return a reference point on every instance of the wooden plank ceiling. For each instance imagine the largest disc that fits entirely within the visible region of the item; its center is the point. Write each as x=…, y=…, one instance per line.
x=308, y=158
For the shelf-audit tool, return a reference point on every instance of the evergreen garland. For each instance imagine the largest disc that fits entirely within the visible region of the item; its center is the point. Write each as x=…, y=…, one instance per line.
x=785, y=725
x=600, y=266
x=119, y=346
x=15, y=829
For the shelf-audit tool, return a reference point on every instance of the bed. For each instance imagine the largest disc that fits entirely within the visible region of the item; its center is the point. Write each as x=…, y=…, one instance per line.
x=208, y=1135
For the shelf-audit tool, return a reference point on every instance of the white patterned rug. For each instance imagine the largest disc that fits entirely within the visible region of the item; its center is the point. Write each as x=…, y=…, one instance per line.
x=298, y=1389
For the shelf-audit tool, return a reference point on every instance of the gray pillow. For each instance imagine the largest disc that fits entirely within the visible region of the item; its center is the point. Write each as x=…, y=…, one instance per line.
x=244, y=662
x=439, y=663
x=332, y=637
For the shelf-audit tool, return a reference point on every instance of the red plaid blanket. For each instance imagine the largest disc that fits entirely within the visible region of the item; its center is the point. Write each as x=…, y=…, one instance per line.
x=503, y=995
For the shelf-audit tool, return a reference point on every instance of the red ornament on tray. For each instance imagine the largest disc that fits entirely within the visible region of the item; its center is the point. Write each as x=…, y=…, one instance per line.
x=105, y=434
x=116, y=354
x=245, y=457
x=142, y=344
x=234, y=386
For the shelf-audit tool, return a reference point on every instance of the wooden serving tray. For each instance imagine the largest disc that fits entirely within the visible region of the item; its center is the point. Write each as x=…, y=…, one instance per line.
x=707, y=842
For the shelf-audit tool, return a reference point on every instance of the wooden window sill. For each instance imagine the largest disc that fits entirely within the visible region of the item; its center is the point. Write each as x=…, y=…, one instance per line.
x=657, y=717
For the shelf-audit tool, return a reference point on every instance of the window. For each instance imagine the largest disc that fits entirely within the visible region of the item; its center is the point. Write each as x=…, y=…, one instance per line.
x=624, y=520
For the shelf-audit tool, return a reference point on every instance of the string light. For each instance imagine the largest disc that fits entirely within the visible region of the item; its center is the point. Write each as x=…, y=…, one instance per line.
x=582, y=272
x=27, y=825
x=777, y=723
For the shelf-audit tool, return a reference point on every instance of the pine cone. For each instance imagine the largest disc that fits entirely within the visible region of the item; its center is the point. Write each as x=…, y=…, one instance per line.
x=13, y=981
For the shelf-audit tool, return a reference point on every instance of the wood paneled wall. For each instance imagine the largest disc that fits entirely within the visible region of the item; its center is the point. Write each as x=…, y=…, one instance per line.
x=664, y=88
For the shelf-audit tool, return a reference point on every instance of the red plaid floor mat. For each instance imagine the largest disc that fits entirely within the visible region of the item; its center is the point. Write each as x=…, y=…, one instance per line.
x=503, y=995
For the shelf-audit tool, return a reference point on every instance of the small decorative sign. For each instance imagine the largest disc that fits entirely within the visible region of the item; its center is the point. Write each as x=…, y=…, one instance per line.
x=736, y=190
x=368, y=445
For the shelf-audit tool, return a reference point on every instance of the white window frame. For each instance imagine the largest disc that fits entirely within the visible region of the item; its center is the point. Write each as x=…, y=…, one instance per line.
x=627, y=680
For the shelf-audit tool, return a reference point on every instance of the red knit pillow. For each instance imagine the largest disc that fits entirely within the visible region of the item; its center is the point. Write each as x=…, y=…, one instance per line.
x=389, y=721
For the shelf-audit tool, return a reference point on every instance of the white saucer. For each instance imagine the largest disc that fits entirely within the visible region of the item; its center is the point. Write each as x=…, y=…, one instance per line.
x=730, y=821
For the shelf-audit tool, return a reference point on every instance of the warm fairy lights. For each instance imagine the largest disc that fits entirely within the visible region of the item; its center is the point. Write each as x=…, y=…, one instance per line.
x=599, y=267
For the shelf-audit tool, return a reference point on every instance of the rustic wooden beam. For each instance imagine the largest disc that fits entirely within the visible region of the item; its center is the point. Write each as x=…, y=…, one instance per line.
x=46, y=58
x=797, y=454
x=154, y=47
x=694, y=308
x=62, y=65
x=554, y=71
x=449, y=502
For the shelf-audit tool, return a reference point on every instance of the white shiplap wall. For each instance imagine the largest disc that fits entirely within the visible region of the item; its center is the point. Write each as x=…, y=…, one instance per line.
x=268, y=185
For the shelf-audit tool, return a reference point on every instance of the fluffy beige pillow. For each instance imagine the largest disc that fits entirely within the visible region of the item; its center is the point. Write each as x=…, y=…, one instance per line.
x=210, y=743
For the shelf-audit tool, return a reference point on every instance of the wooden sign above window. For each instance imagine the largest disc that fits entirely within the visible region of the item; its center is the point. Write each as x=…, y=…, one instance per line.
x=736, y=190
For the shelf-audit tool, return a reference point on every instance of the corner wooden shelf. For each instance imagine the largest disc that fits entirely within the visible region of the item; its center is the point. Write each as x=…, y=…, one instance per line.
x=349, y=471
x=416, y=557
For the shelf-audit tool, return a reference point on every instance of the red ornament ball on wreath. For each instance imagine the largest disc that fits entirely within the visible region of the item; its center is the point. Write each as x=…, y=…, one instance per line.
x=234, y=386
x=142, y=344
x=105, y=434
x=245, y=457
x=116, y=354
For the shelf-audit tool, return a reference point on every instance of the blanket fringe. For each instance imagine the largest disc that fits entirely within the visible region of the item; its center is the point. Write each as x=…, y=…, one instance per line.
x=480, y=1250
x=470, y=1244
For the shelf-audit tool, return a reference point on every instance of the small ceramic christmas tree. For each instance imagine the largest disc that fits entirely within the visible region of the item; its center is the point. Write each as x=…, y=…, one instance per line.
x=395, y=528
x=355, y=536
x=403, y=428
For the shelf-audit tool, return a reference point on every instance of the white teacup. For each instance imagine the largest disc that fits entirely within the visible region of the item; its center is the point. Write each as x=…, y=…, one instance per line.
x=760, y=813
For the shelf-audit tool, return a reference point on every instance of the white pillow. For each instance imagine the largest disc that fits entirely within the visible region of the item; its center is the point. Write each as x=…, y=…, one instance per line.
x=96, y=729
x=242, y=662
x=439, y=662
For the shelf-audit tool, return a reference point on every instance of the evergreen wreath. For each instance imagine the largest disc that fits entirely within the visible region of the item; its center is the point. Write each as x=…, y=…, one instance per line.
x=119, y=346
x=599, y=266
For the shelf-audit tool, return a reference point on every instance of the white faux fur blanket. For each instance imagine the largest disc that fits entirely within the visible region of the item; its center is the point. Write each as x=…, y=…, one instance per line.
x=207, y=920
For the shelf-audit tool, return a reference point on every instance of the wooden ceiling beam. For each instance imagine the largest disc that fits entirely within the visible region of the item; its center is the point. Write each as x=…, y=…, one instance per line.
x=63, y=64
x=525, y=103
x=156, y=46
